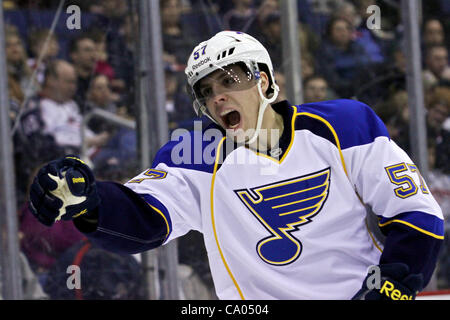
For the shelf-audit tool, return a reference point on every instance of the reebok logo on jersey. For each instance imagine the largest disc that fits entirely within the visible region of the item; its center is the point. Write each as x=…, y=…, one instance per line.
x=281, y=208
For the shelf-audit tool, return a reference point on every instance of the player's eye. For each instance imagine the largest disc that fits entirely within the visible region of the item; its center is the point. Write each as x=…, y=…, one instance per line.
x=229, y=80
x=205, y=92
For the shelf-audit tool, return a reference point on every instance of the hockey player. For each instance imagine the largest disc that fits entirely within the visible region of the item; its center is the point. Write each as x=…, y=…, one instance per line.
x=295, y=230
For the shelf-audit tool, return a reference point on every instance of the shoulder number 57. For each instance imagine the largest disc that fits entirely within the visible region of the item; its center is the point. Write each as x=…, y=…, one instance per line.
x=399, y=174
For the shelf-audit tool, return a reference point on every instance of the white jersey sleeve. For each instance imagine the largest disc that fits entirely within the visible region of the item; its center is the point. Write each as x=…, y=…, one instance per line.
x=383, y=175
x=386, y=179
x=175, y=186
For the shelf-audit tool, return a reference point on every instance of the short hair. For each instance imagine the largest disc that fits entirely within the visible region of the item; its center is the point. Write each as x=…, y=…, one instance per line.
x=439, y=95
x=428, y=20
x=38, y=35
x=12, y=31
x=314, y=77
x=332, y=21
x=73, y=44
x=51, y=69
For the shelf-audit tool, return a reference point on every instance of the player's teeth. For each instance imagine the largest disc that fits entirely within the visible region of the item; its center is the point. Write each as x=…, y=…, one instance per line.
x=226, y=112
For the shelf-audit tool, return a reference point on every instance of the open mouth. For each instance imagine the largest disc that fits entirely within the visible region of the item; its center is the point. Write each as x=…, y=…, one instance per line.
x=231, y=118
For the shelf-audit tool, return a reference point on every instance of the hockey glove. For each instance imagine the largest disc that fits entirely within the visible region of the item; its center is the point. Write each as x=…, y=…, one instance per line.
x=63, y=189
x=395, y=283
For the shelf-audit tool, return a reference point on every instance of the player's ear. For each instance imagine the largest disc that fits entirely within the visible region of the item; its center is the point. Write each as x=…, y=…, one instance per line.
x=264, y=82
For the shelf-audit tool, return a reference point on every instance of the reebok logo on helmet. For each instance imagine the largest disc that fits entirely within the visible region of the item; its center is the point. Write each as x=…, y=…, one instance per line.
x=195, y=66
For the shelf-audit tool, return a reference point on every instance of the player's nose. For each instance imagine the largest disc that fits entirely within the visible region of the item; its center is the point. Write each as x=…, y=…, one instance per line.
x=219, y=98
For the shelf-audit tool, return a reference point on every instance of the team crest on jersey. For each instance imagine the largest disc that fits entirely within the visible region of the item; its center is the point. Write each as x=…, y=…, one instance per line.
x=283, y=207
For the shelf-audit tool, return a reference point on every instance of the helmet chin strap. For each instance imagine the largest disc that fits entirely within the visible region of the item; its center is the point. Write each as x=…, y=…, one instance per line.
x=262, y=108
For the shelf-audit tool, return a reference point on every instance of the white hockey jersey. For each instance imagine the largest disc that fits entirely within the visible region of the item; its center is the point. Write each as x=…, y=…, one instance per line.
x=291, y=226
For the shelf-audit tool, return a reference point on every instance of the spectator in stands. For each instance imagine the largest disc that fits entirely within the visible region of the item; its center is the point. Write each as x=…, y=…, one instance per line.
x=117, y=160
x=266, y=8
x=121, y=57
x=271, y=38
x=394, y=112
x=44, y=46
x=308, y=65
x=113, y=144
x=16, y=98
x=308, y=40
x=438, y=111
x=59, y=112
x=16, y=61
x=103, y=65
x=340, y=59
x=364, y=36
x=281, y=82
x=83, y=54
x=316, y=89
x=178, y=103
x=178, y=37
x=242, y=17
x=432, y=33
x=113, y=9
x=437, y=68
x=347, y=10
x=100, y=96
x=15, y=93
x=385, y=36
x=386, y=79
x=42, y=245
x=108, y=15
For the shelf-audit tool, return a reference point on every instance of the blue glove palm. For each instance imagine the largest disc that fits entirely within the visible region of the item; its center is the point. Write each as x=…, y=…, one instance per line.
x=63, y=189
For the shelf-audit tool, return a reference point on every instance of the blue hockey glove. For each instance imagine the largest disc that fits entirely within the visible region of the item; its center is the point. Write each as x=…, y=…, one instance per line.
x=396, y=283
x=63, y=189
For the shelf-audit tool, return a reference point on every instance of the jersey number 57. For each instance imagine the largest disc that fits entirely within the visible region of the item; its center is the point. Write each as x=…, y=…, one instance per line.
x=400, y=175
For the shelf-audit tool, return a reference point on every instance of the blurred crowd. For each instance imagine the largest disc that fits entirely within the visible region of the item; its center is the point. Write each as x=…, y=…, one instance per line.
x=57, y=77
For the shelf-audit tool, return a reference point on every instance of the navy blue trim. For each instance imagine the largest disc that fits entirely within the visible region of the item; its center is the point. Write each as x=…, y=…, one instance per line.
x=317, y=127
x=286, y=110
x=126, y=223
x=418, y=219
x=158, y=205
x=355, y=123
x=416, y=249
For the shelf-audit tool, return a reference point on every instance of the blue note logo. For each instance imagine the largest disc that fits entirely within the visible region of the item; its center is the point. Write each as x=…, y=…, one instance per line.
x=283, y=207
